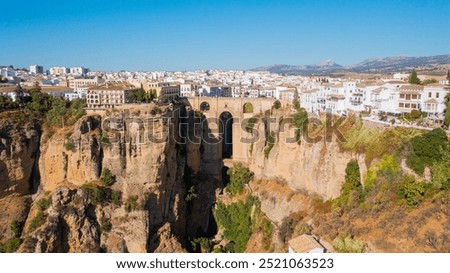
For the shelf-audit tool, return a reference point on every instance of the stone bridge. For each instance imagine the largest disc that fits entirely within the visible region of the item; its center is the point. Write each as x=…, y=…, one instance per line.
x=227, y=118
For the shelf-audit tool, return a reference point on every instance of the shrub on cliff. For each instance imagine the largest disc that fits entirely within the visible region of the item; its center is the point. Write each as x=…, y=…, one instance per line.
x=300, y=122
x=107, y=178
x=352, y=191
x=239, y=176
x=427, y=149
x=11, y=245
x=236, y=221
x=411, y=191
x=270, y=144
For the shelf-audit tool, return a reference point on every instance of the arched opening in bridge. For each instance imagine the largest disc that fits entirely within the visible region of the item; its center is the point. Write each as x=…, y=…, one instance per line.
x=226, y=131
x=204, y=106
x=247, y=108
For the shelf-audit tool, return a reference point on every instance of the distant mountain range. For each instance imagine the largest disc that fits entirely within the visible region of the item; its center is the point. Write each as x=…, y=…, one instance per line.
x=376, y=65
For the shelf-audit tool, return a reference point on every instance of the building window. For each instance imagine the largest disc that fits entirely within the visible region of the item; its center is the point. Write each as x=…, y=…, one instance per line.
x=401, y=105
x=429, y=94
x=402, y=96
x=437, y=95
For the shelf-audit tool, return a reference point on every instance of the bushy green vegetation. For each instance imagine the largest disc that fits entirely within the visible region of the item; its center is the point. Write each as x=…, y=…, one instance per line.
x=131, y=204
x=352, y=190
x=386, y=185
x=95, y=193
x=107, y=178
x=441, y=172
x=375, y=143
x=69, y=145
x=55, y=111
x=300, y=122
x=239, y=176
x=250, y=124
x=236, y=221
x=116, y=197
x=76, y=111
x=411, y=191
x=191, y=194
x=202, y=244
x=388, y=166
x=140, y=96
x=17, y=228
x=43, y=204
x=37, y=221
x=413, y=79
x=270, y=143
x=427, y=149
x=239, y=221
x=11, y=245
x=105, y=225
x=348, y=245
x=413, y=115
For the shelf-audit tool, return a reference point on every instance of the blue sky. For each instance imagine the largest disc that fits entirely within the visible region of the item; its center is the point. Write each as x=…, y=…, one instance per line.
x=202, y=34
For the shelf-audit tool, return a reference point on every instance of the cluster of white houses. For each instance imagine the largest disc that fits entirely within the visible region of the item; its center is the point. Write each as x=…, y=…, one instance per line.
x=394, y=97
x=391, y=97
x=316, y=94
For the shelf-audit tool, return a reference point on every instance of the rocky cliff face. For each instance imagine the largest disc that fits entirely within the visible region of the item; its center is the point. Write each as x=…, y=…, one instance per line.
x=314, y=167
x=160, y=181
x=19, y=147
x=144, y=210
x=19, y=151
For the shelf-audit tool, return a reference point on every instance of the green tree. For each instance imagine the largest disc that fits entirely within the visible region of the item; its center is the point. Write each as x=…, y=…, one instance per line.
x=239, y=176
x=140, y=95
x=57, y=114
x=413, y=79
x=448, y=75
x=39, y=102
x=76, y=110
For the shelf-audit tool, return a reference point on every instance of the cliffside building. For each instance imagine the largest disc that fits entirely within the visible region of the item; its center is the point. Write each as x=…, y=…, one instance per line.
x=104, y=97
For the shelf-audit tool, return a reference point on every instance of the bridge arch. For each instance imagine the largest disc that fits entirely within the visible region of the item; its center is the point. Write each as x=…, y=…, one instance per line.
x=204, y=106
x=247, y=108
x=226, y=133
